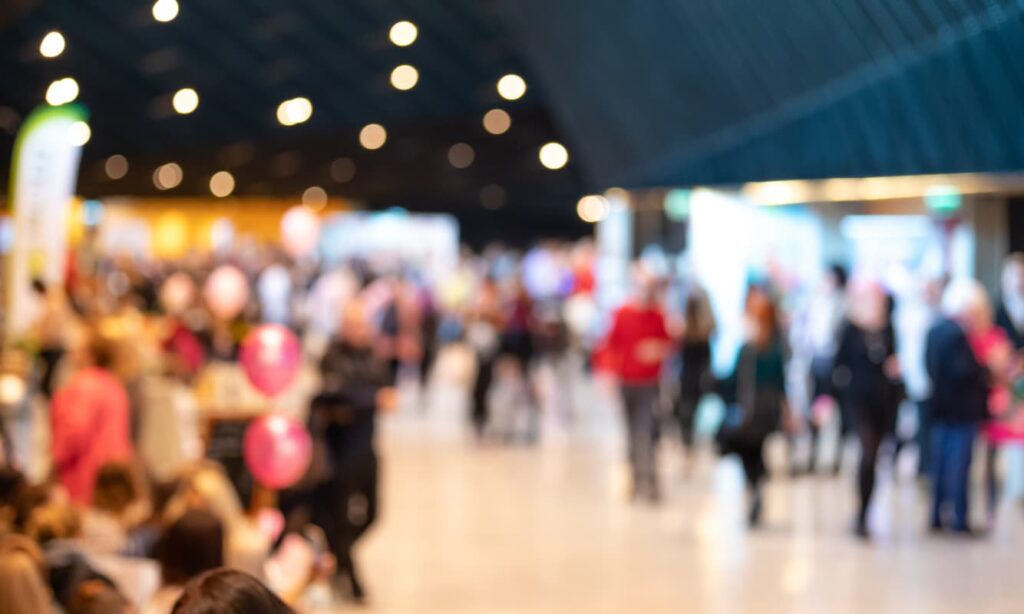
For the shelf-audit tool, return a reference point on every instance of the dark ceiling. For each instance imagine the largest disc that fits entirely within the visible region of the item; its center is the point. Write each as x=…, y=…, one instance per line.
x=644, y=93
x=246, y=56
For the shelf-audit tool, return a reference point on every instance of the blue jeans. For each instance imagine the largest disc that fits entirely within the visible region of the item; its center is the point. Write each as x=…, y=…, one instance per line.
x=952, y=446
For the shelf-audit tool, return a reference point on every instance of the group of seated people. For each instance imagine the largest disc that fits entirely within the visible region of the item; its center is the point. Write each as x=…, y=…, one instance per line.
x=148, y=547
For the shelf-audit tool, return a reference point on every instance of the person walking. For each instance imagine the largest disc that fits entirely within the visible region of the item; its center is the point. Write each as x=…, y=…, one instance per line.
x=755, y=396
x=696, y=378
x=639, y=342
x=959, y=403
x=868, y=376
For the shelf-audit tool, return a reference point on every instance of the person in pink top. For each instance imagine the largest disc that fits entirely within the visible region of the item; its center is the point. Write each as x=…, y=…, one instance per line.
x=90, y=422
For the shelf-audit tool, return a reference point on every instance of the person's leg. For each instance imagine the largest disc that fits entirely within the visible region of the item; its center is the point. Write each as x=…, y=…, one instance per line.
x=938, y=473
x=961, y=453
x=924, y=439
x=992, y=485
x=647, y=437
x=630, y=409
x=752, y=457
x=688, y=400
x=870, y=439
x=481, y=386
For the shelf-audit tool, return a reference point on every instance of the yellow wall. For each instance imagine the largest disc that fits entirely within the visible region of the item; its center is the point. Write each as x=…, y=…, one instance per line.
x=177, y=225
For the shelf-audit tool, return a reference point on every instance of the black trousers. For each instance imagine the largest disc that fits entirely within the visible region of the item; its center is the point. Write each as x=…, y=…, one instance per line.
x=481, y=386
x=345, y=508
x=870, y=436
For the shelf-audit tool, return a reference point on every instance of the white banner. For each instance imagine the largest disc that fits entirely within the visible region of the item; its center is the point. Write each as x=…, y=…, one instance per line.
x=43, y=176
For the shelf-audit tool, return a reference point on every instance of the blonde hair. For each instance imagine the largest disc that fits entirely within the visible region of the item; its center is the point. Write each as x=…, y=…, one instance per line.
x=23, y=588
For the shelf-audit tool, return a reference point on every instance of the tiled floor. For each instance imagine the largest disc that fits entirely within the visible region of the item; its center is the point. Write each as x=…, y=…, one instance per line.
x=546, y=529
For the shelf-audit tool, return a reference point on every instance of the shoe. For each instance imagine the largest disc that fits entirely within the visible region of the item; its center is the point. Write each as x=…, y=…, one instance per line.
x=860, y=530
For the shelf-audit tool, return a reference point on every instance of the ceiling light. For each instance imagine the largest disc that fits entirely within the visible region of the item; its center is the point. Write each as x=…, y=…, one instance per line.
x=403, y=33
x=165, y=10
x=52, y=45
x=461, y=155
x=79, y=133
x=553, y=156
x=185, y=100
x=592, y=209
x=294, y=111
x=511, y=87
x=497, y=121
x=222, y=184
x=62, y=91
x=373, y=136
x=343, y=170
x=116, y=166
x=167, y=176
x=404, y=77
x=314, y=198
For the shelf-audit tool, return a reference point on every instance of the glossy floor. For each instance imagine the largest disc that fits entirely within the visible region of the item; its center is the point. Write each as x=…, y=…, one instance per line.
x=547, y=529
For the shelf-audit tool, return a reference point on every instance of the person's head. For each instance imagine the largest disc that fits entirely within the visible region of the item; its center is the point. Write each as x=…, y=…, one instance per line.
x=1013, y=277
x=646, y=286
x=356, y=328
x=207, y=487
x=836, y=277
x=23, y=588
x=966, y=301
x=98, y=597
x=762, y=318
x=226, y=591
x=97, y=351
x=193, y=544
x=869, y=305
x=53, y=521
x=115, y=488
x=698, y=318
x=11, y=484
x=39, y=287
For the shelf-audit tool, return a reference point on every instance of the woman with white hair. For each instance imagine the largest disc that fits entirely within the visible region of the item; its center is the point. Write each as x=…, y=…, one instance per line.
x=960, y=398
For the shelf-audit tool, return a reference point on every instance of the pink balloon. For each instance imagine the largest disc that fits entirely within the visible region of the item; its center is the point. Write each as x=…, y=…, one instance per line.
x=277, y=450
x=226, y=291
x=270, y=356
x=300, y=231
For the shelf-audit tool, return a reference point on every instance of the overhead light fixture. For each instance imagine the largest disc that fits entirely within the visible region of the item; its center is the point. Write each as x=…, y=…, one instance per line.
x=403, y=33
x=511, y=87
x=167, y=176
x=116, y=166
x=461, y=155
x=314, y=198
x=79, y=133
x=373, y=136
x=185, y=100
x=294, y=111
x=404, y=77
x=222, y=184
x=62, y=91
x=165, y=10
x=553, y=156
x=497, y=121
x=592, y=208
x=52, y=45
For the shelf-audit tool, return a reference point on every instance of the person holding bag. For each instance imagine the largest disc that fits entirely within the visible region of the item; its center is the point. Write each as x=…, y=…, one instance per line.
x=755, y=396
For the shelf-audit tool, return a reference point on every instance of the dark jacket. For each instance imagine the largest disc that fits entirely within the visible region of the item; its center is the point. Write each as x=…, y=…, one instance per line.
x=960, y=385
x=859, y=376
x=1004, y=322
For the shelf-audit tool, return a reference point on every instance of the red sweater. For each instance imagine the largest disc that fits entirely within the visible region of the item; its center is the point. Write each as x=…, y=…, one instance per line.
x=636, y=332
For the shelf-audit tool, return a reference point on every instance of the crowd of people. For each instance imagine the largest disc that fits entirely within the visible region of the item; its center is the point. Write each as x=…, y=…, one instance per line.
x=135, y=506
x=850, y=353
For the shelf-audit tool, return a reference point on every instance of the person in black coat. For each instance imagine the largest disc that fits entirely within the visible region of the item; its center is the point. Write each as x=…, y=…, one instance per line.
x=867, y=375
x=356, y=383
x=959, y=403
